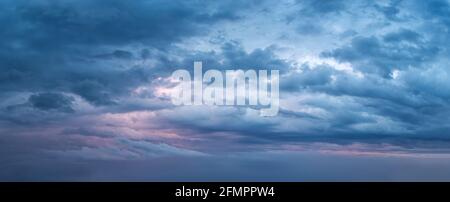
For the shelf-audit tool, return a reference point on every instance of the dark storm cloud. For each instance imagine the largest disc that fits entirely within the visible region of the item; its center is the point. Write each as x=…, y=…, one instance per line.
x=67, y=53
x=370, y=55
x=231, y=55
x=52, y=45
x=384, y=108
x=55, y=24
x=257, y=59
x=416, y=104
x=118, y=54
x=408, y=104
x=52, y=101
x=403, y=35
x=79, y=80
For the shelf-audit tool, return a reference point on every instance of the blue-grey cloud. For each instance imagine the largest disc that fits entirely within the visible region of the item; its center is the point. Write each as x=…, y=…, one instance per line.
x=88, y=80
x=51, y=101
x=372, y=56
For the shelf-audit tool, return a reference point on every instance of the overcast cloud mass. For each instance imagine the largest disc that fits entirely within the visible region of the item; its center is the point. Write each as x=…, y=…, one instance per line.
x=85, y=90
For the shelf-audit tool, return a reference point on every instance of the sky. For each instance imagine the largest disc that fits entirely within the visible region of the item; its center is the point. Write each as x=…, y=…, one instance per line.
x=85, y=90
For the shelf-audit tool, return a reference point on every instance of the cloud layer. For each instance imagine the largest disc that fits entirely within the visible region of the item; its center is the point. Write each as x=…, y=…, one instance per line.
x=88, y=80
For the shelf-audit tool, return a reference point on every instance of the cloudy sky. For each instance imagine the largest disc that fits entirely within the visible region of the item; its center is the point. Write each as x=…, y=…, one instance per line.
x=85, y=90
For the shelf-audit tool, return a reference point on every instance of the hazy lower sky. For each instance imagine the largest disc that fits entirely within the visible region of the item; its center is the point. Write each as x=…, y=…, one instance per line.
x=85, y=90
